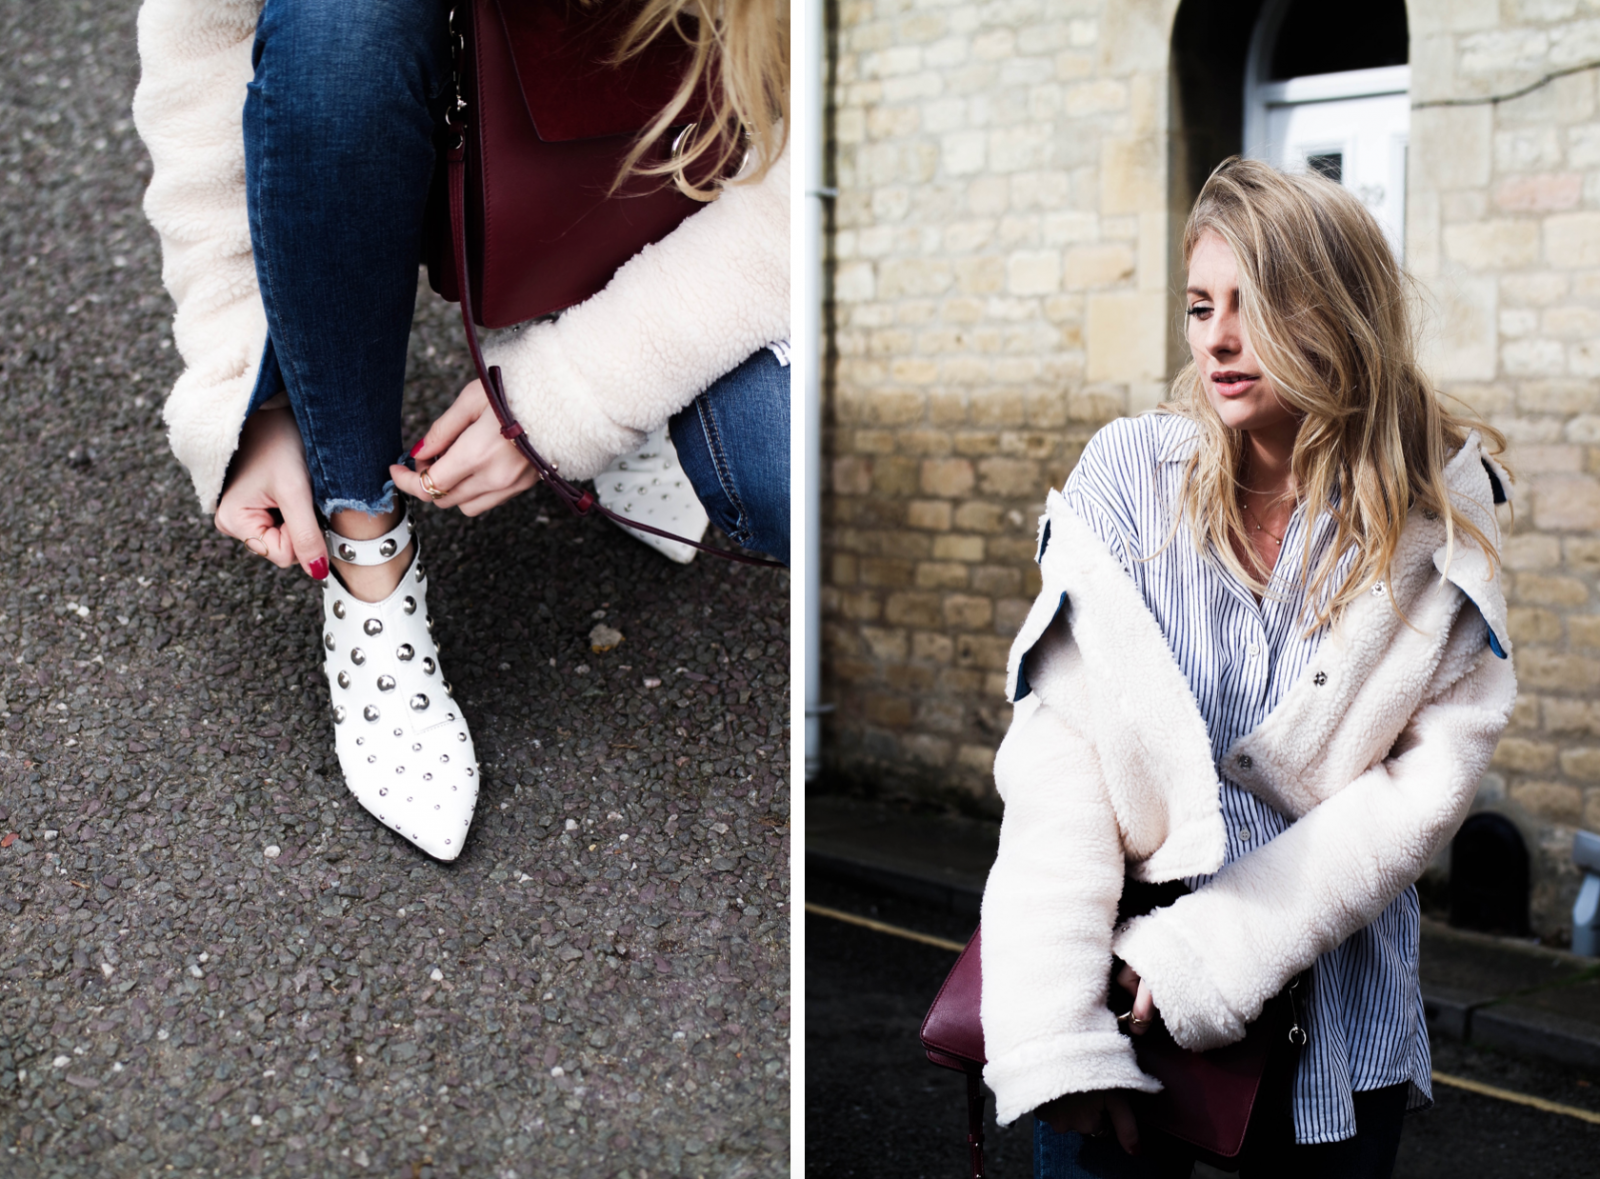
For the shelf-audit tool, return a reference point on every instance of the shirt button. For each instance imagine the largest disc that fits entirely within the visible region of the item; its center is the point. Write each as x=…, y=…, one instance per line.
x=1253, y=649
x=1244, y=833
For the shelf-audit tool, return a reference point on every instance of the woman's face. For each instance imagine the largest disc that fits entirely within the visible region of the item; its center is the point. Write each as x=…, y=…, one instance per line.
x=1239, y=391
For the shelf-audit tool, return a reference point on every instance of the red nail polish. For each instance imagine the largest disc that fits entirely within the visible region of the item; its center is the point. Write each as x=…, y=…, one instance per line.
x=319, y=569
x=423, y=441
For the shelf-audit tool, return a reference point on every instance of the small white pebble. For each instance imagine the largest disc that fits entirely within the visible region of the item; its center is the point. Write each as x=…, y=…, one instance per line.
x=558, y=1071
x=49, y=835
x=163, y=1034
x=651, y=681
x=272, y=851
x=107, y=969
x=361, y=1060
x=422, y=1129
x=197, y=972
x=572, y=824
x=117, y=1067
x=399, y=912
x=623, y=838
x=523, y=878
x=255, y=1119
x=437, y=975
x=205, y=957
x=61, y=1062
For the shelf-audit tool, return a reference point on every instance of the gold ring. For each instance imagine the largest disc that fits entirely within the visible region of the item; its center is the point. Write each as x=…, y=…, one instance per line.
x=255, y=540
x=430, y=486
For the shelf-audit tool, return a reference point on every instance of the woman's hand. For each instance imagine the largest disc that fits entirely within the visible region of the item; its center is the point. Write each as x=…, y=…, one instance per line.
x=1144, y=1003
x=1087, y=1113
x=268, y=503
x=466, y=459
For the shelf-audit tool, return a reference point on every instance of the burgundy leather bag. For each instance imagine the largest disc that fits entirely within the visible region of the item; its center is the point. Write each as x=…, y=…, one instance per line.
x=1206, y=1099
x=528, y=217
x=545, y=118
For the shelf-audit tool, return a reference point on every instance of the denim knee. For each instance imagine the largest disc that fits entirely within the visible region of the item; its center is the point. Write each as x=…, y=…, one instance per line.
x=342, y=62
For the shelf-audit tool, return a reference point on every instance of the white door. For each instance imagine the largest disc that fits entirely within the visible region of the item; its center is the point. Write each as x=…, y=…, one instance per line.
x=1352, y=127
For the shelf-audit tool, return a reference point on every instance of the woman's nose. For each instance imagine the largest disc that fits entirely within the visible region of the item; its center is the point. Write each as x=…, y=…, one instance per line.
x=1220, y=334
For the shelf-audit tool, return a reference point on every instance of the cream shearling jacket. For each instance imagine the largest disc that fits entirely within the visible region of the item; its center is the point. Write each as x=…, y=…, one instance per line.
x=586, y=387
x=1375, y=753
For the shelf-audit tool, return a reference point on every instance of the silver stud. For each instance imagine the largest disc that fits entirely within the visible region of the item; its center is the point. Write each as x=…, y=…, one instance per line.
x=346, y=553
x=444, y=757
x=344, y=679
x=386, y=683
x=447, y=843
x=419, y=702
x=388, y=548
x=450, y=716
x=420, y=573
x=405, y=652
x=357, y=656
x=1320, y=678
x=399, y=733
x=410, y=526
x=361, y=740
x=428, y=665
x=410, y=606
x=338, y=608
x=401, y=770
x=470, y=773
x=427, y=777
x=1246, y=761
x=372, y=626
x=428, y=618
x=417, y=748
x=338, y=714
x=410, y=799
x=370, y=712
x=448, y=690
x=371, y=757
x=461, y=736
x=383, y=790
x=327, y=640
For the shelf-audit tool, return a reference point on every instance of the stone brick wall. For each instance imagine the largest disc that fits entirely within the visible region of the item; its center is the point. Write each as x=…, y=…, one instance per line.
x=1503, y=231
x=1012, y=179
x=1000, y=286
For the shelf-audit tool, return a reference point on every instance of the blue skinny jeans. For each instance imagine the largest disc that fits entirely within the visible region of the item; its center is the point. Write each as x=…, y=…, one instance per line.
x=339, y=126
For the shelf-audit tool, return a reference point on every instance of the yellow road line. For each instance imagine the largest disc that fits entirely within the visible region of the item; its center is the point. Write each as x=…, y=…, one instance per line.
x=1555, y=1107
x=883, y=927
x=1539, y=1103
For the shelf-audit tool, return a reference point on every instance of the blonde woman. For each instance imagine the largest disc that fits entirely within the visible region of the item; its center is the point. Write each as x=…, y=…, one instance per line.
x=1269, y=662
x=293, y=146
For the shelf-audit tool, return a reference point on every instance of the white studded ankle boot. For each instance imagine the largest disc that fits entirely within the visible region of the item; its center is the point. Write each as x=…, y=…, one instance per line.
x=650, y=486
x=402, y=742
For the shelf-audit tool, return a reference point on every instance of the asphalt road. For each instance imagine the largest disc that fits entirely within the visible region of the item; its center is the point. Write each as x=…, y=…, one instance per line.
x=598, y=986
x=875, y=1107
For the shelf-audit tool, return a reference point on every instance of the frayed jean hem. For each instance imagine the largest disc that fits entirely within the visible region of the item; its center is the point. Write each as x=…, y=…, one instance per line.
x=376, y=508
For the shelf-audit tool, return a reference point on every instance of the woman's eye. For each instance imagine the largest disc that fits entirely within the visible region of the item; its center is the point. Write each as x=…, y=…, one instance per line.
x=1200, y=309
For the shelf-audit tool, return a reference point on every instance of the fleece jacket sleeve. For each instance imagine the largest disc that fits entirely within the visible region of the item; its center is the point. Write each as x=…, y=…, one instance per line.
x=1214, y=957
x=194, y=58
x=1048, y=912
x=678, y=315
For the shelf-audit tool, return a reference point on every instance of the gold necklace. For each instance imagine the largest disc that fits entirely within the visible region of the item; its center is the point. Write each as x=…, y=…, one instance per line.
x=1260, y=527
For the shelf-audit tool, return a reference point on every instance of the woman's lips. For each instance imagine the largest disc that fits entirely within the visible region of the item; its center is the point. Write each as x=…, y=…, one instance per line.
x=1233, y=384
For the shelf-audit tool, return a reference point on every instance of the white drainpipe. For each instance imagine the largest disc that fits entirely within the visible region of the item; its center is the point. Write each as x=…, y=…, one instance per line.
x=808, y=302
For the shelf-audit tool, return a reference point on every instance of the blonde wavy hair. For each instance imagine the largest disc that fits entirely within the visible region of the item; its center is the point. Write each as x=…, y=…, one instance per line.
x=1324, y=305
x=743, y=47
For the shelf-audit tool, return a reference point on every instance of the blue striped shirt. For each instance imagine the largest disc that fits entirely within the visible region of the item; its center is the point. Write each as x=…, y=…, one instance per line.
x=1364, y=1013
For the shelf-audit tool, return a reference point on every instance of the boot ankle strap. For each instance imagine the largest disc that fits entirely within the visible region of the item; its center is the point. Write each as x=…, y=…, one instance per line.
x=370, y=552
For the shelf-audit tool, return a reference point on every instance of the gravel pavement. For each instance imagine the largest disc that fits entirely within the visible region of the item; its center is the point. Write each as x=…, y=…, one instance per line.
x=214, y=962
